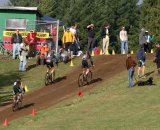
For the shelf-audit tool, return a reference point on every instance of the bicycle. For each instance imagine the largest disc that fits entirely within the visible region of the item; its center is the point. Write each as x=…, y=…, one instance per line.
x=18, y=103
x=84, y=79
x=49, y=77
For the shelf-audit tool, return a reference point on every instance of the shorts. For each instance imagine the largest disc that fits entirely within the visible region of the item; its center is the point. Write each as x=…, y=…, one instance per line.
x=141, y=63
x=15, y=93
x=85, y=64
x=49, y=64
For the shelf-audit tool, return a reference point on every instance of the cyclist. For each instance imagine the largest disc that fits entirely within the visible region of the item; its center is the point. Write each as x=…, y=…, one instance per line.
x=50, y=61
x=17, y=89
x=87, y=62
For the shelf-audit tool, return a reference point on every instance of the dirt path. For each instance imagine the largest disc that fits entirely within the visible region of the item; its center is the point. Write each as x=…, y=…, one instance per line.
x=65, y=87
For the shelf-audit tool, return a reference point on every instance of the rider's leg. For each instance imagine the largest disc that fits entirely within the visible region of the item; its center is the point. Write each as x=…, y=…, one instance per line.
x=14, y=98
x=52, y=70
x=87, y=71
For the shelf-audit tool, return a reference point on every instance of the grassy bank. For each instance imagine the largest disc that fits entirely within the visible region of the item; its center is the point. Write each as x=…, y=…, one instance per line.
x=110, y=106
x=33, y=78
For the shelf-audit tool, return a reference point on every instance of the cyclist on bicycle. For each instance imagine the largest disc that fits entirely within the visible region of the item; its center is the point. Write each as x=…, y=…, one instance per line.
x=50, y=61
x=17, y=89
x=87, y=62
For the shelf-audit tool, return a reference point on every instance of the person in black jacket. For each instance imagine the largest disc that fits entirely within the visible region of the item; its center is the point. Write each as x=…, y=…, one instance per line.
x=16, y=41
x=157, y=57
x=91, y=37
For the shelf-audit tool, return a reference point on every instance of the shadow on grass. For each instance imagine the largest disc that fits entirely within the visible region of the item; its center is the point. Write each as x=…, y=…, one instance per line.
x=5, y=100
x=9, y=78
x=95, y=80
x=60, y=79
x=31, y=67
x=27, y=105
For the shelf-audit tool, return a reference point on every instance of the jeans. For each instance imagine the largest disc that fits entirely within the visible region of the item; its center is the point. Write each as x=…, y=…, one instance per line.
x=124, y=46
x=91, y=42
x=16, y=49
x=22, y=63
x=130, y=77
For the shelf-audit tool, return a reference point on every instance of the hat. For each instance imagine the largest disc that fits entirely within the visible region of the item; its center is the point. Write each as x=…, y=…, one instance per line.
x=146, y=31
x=68, y=28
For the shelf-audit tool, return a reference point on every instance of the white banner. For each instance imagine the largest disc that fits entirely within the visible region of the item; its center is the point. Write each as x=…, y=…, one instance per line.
x=16, y=23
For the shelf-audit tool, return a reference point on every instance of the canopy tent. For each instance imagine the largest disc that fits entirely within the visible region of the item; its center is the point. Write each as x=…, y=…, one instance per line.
x=53, y=21
x=48, y=19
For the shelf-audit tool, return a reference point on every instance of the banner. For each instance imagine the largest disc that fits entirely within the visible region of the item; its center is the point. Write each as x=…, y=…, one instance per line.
x=24, y=34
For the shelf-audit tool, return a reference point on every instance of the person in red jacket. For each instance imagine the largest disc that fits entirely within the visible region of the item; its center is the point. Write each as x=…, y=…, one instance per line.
x=31, y=38
x=130, y=65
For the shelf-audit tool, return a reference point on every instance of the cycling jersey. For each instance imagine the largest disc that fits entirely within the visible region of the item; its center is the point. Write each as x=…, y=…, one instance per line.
x=16, y=89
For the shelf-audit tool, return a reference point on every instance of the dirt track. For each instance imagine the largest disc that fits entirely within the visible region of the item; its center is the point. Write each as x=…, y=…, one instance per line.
x=65, y=87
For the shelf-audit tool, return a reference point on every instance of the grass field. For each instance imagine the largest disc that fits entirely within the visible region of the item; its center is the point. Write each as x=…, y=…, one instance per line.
x=110, y=106
x=33, y=78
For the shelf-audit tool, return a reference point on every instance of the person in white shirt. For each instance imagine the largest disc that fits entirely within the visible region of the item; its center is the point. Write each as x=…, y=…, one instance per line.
x=23, y=55
x=124, y=40
x=105, y=36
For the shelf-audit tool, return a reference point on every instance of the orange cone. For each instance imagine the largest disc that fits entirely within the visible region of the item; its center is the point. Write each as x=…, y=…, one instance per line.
x=5, y=122
x=33, y=112
x=80, y=94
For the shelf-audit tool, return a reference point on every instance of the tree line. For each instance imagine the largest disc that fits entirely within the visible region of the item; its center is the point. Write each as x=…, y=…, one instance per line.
x=117, y=13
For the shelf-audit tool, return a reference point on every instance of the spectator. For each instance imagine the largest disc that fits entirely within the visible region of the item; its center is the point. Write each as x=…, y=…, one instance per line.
x=124, y=40
x=157, y=57
x=23, y=54
x=142, y=37
x=105, y=36
x=130, y=65
x=75, y=43
x=63, y=56
x=43, y=53
x=91, y=37
x=16, y=41
x=147, y=46
x=31, y=38
x=141, y=61
x=44, y=50
x=68, y=39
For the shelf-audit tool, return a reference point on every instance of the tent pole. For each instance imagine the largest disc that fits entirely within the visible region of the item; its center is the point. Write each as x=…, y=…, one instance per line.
x=57, y=37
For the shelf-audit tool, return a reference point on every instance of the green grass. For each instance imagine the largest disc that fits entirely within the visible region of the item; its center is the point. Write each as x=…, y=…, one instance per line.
x=110, y=106
x=33, y=78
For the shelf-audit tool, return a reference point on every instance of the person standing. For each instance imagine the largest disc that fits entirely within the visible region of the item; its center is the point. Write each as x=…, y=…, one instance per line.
x=91, y=37
x=16, y=41
x=73, y=29
x=68, y=39
x=142, y=38
x=32, y=40
x=141, y=61
x=23, y=54
x=130, y=65
x=157, y=57
x=124, y=40
x=105, y=36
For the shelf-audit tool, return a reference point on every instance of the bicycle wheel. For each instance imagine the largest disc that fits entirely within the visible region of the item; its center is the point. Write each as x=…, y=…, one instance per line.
x=52, y=77
x=19, y=104
x=14, y=106
x=80, y=80
x=89, y=77
x=47, y=79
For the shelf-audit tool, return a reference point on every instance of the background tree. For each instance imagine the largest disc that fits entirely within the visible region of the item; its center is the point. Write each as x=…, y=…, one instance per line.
x=99, y=12
x=150, y=17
